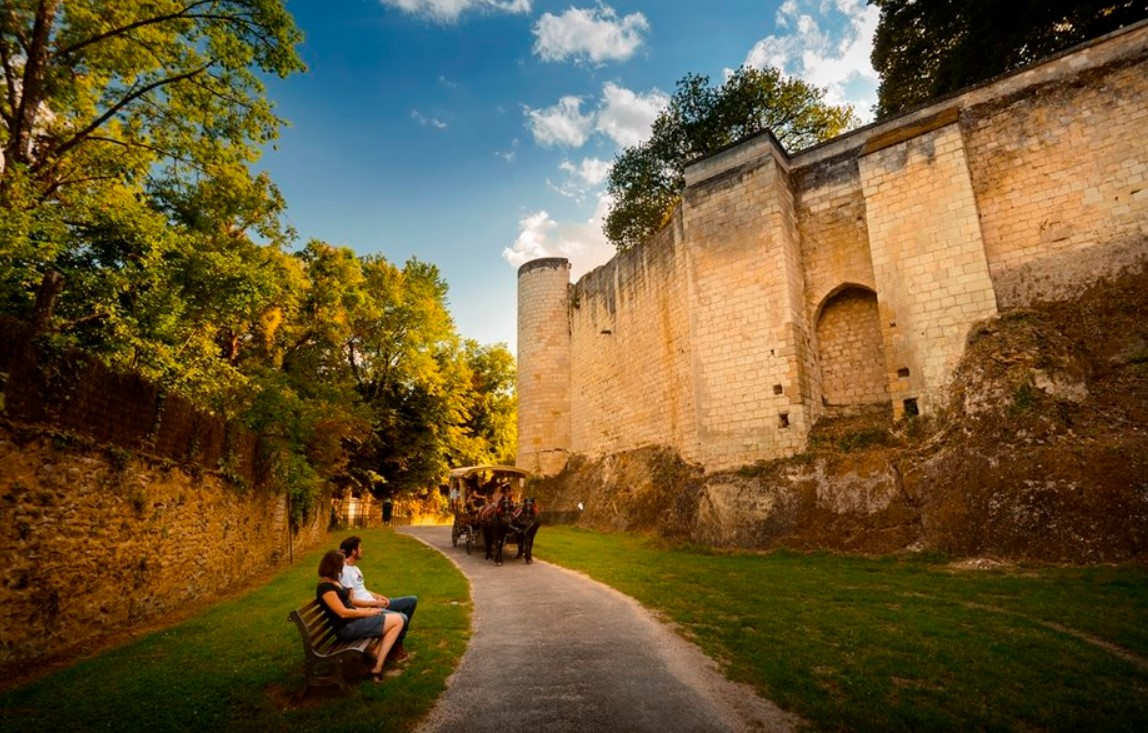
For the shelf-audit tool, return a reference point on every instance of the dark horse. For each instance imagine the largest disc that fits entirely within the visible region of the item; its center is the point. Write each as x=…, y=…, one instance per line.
x=495, y=522
x=524, y=523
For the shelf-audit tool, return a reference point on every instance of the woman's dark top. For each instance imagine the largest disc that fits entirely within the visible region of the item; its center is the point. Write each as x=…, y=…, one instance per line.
x=337, y=621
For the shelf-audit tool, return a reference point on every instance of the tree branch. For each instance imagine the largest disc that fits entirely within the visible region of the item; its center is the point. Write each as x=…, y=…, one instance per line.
x=158, y=151
x=225, y=97
x=95, y=124
x=56, y=186
x=19, y=145
x=130, y=26
x=80, y=321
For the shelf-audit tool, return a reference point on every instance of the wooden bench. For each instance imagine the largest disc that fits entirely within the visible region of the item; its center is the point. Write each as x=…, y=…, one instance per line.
x=326, y=659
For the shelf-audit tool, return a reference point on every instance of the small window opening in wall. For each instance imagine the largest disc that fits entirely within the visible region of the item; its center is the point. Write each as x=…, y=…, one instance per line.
x=783, y=420
x=771, y=352
x=903, y=372
x=911, y=409
x=606, y=332
x=777, y=389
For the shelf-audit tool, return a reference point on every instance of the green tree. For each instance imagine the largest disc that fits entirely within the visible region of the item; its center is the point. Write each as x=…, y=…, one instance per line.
x=300, y=392
x=400, y=356
x=646, y=180
x=126, y=130
x=489, y=433
x=926, y=48
x=127, y=133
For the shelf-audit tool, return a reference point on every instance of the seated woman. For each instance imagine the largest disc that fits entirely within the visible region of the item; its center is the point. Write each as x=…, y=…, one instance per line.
x=352, y=623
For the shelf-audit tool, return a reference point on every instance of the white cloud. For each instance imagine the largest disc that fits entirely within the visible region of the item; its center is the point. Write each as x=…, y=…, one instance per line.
x=581, y=242
x=622, y=115
x=447, y=82
x=448, y=11
x=837, y=61
x=508, y=155
x=592, y=171
x=423, y=120
x=570, y=189
x=582, y=179
x=560, y=124
x=589, y=34
x=625, y=116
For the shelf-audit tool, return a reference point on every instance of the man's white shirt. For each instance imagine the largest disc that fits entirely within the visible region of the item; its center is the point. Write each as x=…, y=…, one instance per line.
x=352, y=578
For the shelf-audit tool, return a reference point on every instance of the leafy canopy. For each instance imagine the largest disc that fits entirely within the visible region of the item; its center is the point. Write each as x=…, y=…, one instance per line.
x=126, y=134
x=646, y=180
x=926, y=48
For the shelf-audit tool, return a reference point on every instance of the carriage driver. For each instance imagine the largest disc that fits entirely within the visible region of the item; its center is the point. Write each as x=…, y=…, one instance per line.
x=352, y=578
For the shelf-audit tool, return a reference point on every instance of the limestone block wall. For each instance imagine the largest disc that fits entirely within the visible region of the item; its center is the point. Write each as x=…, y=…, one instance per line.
x=1061, y=181
x=96, y=540
x=928, y=260
x=727, y=335
x=830, y=209
x=544, y=365
x=630, y=386
x=852, y=358
x=747, y=349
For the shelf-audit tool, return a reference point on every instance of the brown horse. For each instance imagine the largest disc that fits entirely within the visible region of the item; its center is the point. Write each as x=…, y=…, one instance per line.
x=495, y=522
x=524, y=523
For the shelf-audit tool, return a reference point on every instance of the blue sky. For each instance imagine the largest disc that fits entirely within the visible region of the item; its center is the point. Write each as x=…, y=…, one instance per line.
x=475, y=134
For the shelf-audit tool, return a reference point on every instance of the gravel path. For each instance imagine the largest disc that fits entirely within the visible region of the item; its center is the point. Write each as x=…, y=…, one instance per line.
x=554, y=650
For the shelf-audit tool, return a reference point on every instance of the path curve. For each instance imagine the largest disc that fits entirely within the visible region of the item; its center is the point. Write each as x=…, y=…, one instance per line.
x=554, y=650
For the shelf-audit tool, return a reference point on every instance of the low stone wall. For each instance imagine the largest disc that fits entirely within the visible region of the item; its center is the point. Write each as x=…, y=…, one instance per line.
x=97, y=540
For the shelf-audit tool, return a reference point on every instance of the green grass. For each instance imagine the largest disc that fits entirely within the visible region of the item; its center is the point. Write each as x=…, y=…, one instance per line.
x=892, y=644
x=237, y=665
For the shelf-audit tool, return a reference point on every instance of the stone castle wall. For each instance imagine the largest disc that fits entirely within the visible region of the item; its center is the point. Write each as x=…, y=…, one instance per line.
x=630, y=326
x=97, y=540
x=786, y=288
x=544, y=365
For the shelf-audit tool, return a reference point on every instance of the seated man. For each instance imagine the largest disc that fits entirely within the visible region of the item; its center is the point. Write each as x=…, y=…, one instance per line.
x=352, y=578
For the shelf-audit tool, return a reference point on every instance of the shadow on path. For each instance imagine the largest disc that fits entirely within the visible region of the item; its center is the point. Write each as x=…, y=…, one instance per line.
x=554, y=650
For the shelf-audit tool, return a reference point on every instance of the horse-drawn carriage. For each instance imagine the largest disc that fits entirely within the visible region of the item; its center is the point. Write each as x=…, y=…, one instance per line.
x=482, y=500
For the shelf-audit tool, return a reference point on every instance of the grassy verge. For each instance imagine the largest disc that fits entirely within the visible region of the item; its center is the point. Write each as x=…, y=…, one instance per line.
x=238, y=665
x=894, y=644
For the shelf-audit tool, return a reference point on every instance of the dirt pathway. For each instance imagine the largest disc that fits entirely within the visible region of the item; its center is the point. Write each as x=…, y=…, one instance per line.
x=556, y=651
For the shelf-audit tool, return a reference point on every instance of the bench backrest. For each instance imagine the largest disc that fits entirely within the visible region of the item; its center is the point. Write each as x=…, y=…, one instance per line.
x=313, y=627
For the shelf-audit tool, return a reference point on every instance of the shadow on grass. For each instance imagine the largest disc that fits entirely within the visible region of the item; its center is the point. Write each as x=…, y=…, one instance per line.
x=238, y=665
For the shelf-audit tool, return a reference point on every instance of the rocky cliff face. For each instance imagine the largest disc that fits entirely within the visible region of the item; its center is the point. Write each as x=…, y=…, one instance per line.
x=1041, y=453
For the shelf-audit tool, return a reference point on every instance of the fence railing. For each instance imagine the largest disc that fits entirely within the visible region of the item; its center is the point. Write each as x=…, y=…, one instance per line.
x=74, y=392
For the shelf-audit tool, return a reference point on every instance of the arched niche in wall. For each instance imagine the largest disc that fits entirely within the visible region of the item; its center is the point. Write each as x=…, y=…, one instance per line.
x=849, y=348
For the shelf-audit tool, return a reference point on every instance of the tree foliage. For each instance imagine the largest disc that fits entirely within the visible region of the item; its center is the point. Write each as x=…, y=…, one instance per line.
x=926, y=48
x=646, y=180
x=126, y=131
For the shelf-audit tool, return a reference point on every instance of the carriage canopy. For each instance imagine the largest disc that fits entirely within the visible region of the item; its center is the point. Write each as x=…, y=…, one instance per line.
x=493, y=468
x=482, y=480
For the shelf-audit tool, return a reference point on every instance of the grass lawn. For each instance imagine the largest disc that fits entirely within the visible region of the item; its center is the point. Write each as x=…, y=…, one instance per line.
x=894, y=644
x=237, y=665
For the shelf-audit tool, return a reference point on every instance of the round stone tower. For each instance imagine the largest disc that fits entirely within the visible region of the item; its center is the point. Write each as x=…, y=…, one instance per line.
x=544, y=365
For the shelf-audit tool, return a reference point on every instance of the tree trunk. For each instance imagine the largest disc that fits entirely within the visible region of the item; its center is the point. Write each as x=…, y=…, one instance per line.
x=50, y=286
x=32, y=86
